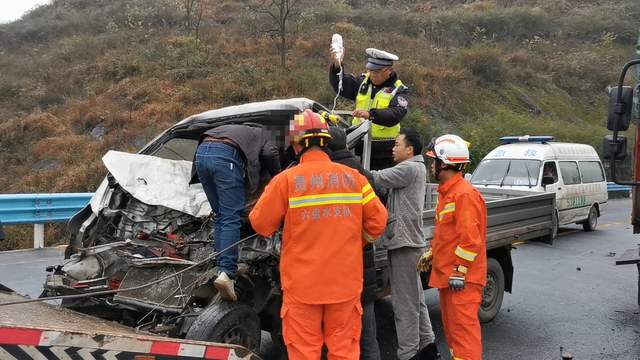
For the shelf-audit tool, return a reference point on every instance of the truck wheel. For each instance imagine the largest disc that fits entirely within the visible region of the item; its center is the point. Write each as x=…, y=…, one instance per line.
x=493, y=292
x=592, y=221
x=229, y=323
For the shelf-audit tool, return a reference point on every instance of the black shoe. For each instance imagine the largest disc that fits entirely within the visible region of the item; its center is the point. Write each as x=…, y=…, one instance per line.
x=429, y=352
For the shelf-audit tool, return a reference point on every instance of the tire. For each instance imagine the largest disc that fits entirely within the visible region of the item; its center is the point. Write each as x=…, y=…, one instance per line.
x=592, y=220
x=229, y=323
x=493, y=292
x=554, y=229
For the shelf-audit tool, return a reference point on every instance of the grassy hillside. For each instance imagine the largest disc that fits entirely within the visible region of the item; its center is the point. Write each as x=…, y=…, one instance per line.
x=81, y=77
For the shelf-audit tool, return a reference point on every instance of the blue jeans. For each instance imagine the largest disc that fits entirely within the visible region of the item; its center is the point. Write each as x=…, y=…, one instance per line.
x=221, y=170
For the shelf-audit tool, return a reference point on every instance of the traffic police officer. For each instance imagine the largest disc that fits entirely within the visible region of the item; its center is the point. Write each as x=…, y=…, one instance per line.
x=380, y=97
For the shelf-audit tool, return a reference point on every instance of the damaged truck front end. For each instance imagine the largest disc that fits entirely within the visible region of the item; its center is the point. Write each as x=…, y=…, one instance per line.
x=145, y=222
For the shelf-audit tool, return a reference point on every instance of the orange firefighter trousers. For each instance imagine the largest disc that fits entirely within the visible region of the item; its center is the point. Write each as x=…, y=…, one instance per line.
x=460, y=319
x=305, y=327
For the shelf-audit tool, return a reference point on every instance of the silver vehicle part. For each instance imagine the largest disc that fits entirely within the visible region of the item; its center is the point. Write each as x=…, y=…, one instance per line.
x=156, y=181
x=83, y=268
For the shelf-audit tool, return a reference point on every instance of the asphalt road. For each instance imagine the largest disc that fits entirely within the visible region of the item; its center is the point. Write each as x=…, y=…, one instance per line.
x=24, y=270
x=569, y=294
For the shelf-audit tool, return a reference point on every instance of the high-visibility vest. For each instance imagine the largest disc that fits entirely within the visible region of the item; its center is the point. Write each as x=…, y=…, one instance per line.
x=380, y=101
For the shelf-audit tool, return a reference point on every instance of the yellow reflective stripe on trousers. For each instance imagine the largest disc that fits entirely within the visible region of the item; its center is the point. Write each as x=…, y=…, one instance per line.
x=465, y=254
x=325, y=199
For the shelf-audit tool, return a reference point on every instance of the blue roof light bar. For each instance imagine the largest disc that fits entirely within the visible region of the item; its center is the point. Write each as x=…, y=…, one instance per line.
x=527, y=138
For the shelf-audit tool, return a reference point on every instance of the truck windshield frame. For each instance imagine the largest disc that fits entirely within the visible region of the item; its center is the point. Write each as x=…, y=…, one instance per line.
x=507, y=172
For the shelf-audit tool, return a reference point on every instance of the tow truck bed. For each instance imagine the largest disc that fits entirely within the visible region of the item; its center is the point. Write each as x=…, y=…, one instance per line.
x=43, y=331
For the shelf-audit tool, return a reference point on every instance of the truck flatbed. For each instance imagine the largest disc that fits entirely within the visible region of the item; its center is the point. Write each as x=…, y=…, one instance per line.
x=630, y=257
x=43, y=331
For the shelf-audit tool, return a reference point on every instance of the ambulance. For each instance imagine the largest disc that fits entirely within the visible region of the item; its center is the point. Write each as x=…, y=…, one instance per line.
x=572, y=171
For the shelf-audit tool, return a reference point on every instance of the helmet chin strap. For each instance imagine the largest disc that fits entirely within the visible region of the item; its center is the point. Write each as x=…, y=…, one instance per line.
x=439, y=168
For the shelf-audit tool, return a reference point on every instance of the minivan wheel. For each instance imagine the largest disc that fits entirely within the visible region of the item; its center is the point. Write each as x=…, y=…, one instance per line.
x=591, y=222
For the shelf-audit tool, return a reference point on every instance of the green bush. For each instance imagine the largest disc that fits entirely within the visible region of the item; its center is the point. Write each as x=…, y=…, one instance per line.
x=484, y=132
x=484, y=63
x=590, y=23
x=116, y=71
x=389, y=20
x=500, y=24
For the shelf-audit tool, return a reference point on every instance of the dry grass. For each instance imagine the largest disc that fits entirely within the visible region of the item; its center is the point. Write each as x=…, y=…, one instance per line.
x=132, y=68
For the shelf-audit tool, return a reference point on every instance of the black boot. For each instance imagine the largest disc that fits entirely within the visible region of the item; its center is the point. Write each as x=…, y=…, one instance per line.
x=429, y=352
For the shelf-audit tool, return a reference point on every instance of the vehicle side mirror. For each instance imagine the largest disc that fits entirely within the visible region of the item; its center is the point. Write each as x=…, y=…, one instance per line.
x=614, y=150
x=548, y=180
x=620, y=113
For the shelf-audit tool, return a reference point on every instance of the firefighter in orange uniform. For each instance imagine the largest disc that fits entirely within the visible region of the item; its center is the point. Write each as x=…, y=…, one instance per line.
x=458, y=249
x=329, y=213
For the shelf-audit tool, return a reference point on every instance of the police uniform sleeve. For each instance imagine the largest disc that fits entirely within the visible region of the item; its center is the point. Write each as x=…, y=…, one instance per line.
x=269, y=212
x=374, y=214
x=467, y=216
x=350, y=83
x=392, y=115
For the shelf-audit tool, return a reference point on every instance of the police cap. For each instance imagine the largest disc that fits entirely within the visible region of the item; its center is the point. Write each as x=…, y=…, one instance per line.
x=378, y=59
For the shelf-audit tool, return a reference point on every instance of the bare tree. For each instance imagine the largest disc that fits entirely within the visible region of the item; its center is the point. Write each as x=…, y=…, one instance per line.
x=505, y=3
x=193, y=11
x=189, y=7
x=280, y=12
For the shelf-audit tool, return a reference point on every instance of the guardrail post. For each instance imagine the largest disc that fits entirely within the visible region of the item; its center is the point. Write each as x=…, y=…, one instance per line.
x=38, y=236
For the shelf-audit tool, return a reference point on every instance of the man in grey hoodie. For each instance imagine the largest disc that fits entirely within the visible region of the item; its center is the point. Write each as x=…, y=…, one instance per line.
x=405, y=242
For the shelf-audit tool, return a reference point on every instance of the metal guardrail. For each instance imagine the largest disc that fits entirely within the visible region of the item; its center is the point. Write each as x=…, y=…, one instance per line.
x=613, y=187
x=40, y=209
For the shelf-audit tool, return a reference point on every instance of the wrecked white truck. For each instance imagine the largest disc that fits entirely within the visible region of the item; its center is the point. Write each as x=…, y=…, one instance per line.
x=145, y=223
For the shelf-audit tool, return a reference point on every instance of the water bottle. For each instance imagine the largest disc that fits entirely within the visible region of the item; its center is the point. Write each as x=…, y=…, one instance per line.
x=337, y=47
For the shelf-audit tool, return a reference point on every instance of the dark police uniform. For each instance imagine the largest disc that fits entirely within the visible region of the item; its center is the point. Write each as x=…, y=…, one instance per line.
x=387, y=104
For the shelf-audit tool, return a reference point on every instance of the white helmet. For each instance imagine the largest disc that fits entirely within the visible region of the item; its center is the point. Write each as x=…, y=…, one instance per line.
x=450, y=149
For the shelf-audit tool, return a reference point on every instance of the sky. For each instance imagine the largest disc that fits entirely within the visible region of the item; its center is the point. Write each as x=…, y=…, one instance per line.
x=11, y=10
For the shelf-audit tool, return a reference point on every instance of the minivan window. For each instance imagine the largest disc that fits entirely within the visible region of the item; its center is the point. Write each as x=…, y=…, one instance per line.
x=591, y=171
x=570, y=172
x=507, y=172
x=549, y=169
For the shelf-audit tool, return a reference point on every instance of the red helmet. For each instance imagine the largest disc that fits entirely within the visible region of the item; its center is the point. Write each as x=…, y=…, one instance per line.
x=309, y=125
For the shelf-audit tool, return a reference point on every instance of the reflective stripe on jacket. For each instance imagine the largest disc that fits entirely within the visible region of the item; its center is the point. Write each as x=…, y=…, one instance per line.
x=460, y=234
x=381, y=100
x=327, y=209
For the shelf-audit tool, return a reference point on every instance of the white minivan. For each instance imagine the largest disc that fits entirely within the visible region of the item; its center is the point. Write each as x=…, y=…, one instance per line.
x=573, y=172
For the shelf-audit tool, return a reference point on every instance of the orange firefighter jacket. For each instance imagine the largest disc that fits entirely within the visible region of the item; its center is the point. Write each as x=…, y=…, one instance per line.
x=460, y=233
x=328, y=210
